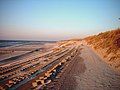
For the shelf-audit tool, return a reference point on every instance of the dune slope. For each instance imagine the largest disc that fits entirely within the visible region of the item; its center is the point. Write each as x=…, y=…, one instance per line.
x=107, y=44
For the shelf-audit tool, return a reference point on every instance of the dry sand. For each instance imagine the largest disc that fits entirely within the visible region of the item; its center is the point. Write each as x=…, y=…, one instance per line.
x=87, y=72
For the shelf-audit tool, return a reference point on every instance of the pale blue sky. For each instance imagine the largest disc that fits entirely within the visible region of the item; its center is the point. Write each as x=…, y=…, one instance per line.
x=57, y=19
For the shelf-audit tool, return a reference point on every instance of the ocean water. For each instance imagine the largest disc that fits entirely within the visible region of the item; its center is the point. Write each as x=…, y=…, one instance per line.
x=7, y=43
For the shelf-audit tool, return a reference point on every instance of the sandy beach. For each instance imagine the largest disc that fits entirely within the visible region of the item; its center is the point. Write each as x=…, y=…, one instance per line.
x=64, y=65
x=86, y=72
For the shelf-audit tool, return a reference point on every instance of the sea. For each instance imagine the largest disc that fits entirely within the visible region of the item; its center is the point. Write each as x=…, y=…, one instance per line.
x=7, y=43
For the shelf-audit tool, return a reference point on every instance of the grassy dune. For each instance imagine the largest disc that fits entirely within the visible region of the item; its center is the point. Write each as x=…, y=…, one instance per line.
x=108, y=45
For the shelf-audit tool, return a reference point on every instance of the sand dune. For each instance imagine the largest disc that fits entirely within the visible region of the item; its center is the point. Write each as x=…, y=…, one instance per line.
x=107, y=44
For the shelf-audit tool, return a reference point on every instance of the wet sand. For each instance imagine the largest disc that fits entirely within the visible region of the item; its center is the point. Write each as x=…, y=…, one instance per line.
x=18, y=72
x=20, y=67
x=12, y=51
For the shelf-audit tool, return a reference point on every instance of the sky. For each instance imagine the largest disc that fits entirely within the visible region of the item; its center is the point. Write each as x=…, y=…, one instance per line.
x=57, y=19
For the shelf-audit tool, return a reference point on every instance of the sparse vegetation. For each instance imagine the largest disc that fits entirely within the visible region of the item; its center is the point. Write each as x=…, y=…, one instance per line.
x=109, y=42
